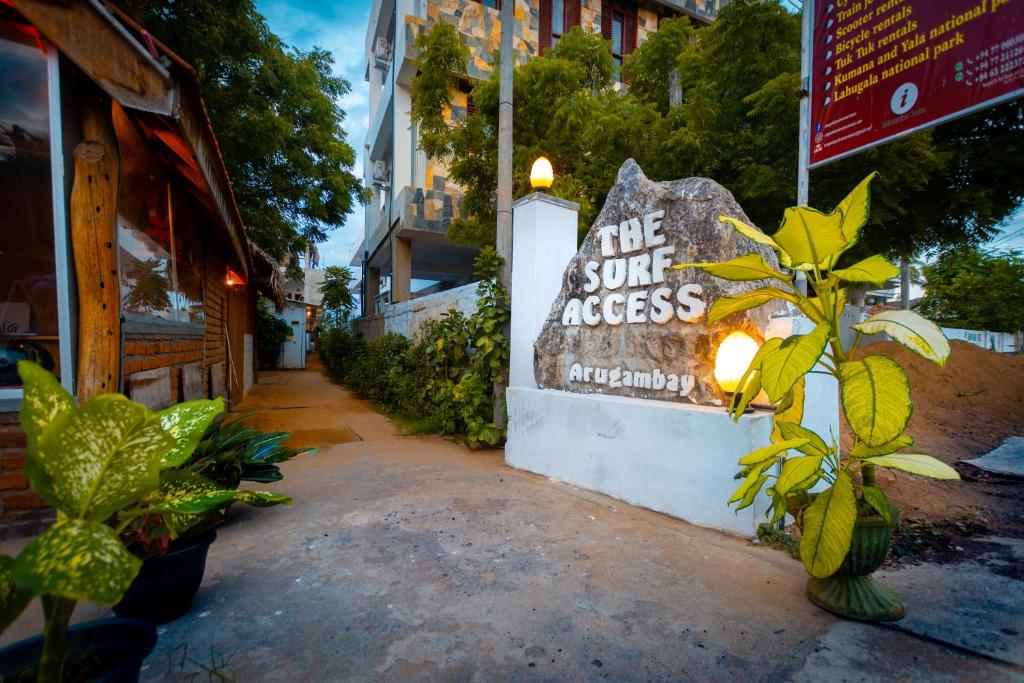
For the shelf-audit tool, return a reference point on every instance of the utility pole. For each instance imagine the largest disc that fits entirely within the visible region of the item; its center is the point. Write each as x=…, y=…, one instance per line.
x=803, y=181
x=503, y=241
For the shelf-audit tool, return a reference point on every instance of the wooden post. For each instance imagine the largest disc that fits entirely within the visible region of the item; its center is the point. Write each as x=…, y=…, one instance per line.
x=93, y=220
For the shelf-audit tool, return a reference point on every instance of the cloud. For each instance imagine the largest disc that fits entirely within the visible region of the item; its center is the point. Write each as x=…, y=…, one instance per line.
x=340, y=28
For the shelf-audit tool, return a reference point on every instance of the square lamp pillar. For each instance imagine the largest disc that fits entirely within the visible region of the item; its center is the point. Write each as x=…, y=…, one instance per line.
x=543, y=243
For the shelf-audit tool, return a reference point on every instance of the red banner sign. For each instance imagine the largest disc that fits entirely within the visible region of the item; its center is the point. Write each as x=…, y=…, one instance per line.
x=881, y=69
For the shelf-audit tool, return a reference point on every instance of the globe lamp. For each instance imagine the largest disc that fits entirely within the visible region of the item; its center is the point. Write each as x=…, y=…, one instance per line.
x=541, y=175
x=732, y=359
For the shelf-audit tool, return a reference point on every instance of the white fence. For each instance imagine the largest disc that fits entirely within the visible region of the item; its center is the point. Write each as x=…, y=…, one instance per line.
x=1000, y=342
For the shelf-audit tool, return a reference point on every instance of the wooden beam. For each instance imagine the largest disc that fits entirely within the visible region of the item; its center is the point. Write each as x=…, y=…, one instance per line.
x=93, y=220
x=105, y=51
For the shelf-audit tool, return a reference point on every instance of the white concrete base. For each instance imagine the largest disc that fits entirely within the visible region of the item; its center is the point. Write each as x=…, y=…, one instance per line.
x=668, y=457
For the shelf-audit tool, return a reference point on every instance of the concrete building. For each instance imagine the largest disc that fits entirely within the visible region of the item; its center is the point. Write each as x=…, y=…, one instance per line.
x=413, y=201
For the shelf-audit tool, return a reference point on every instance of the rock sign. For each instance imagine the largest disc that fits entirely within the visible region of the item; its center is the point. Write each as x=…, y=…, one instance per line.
x=626, y=323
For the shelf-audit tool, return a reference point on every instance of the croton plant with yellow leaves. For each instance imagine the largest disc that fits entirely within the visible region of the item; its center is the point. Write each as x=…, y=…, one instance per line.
x=874, y=389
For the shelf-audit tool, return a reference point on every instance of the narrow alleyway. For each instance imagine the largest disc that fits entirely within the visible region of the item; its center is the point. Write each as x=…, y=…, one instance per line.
x=414, y=559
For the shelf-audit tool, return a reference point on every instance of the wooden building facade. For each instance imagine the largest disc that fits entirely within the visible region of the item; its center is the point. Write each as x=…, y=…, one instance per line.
x=124, y=264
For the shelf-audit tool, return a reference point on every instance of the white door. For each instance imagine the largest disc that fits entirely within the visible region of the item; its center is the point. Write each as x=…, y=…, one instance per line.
x=293, y=355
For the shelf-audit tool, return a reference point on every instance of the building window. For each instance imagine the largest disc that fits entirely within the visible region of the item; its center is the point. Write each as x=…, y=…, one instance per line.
x=557, y=20
x=493, y=4
x=617, y=38
x=557, y=17
x=158, y=241
x=35, y=318
x=618, y=25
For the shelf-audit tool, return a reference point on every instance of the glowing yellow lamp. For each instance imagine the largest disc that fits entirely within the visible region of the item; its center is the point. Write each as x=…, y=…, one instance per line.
x=541, y=175
x=731, y=361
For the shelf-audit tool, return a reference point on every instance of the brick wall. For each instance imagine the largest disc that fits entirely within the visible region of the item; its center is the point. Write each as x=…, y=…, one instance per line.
x=147, y=351
x=21, y=510
x=214, y=339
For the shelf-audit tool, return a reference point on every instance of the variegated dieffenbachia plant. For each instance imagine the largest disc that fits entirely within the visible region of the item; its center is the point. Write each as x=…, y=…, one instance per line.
x=874, y=390
x=100, y=466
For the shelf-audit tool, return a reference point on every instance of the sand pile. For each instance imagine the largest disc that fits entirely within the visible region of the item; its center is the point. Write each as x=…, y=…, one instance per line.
x=960, y=411
x=968, y=407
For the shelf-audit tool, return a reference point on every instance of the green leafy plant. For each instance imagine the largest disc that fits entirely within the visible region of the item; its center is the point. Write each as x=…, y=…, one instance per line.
x=488, y=358
x=271, y=333
x=101, y=466
x=874, y=390
x=232, y=451
x=445, y=376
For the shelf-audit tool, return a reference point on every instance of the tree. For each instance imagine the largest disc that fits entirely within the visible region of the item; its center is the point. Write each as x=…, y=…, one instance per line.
x=149, y=289
x=276, y=115
x=971, y=289
x=738, y=124
x=336, y=290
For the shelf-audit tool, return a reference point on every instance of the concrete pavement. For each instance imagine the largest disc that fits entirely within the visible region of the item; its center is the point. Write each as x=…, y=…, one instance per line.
x=414, y=559
x=410, y=558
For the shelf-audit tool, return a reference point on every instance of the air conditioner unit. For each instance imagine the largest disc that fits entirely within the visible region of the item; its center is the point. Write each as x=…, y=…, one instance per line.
x=381, y=172
x=382, y=50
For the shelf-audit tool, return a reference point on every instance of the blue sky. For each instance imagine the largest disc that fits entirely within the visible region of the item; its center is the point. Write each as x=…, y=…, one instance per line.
x=340, y=27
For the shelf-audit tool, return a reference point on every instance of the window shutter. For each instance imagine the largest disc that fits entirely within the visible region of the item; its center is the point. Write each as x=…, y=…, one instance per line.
x=606, y=20
x=572, y=13
x=471, y=109
x=497, y=5
x=545, y=25
x=628, y=33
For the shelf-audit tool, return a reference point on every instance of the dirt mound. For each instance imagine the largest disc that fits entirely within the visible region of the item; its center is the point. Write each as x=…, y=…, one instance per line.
x=961, y=411
x=967, y=407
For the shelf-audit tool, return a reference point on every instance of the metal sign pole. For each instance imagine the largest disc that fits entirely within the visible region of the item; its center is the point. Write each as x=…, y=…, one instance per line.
x=804, y=153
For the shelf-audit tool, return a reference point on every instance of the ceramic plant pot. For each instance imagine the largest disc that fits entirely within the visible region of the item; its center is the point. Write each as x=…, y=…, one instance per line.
x=852, y=592
x=104, y=651
x=167, y=584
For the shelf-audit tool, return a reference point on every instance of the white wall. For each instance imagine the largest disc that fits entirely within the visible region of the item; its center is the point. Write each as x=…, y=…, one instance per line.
x=669, y=457
x=405, y=318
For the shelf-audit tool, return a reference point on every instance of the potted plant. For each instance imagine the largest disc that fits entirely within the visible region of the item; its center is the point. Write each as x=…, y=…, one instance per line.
x=174, y=527
x=847, y=523
x=94, y=464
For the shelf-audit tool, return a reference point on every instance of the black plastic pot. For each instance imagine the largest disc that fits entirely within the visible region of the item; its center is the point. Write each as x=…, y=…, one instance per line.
x=109, y=650
x=166, y=585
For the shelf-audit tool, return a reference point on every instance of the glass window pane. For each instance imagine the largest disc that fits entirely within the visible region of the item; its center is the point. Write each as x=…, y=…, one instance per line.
x=558, y=17
x=616, y=34
x=28, y=273
x=143, y=227
x=187, y=298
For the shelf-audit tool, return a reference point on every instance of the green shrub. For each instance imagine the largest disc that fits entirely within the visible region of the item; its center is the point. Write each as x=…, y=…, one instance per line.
x=443, y=379
x=271, y=332
x=338, y=349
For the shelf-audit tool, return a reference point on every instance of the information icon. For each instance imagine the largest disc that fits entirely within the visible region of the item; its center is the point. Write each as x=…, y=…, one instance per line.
x=903, y=98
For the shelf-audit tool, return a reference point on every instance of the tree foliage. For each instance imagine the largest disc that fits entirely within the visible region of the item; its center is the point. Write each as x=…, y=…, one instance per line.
x=336, y=290
x=737, y=123
x=970, y=289
x=275, y=112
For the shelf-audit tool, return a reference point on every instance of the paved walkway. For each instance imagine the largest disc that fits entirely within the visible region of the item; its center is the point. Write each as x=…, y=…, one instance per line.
x=414, y=559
